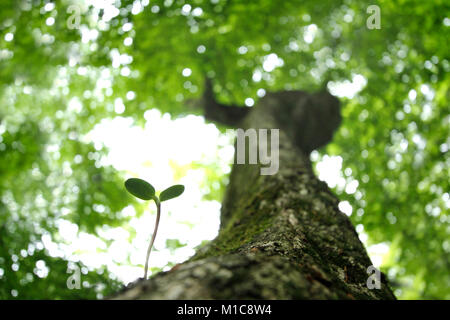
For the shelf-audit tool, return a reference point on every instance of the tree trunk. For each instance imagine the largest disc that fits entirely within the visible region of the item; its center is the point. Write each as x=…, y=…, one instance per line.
x=282, y=236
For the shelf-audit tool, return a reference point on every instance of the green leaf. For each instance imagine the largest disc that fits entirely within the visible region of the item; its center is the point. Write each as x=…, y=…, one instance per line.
x=173, y=244
x=140, y=188
x=171, y=192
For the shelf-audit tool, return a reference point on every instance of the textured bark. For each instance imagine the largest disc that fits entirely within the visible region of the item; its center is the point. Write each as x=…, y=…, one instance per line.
x=282, y=236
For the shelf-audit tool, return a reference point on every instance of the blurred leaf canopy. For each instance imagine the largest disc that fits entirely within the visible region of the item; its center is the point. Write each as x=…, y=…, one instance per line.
x=58, y=80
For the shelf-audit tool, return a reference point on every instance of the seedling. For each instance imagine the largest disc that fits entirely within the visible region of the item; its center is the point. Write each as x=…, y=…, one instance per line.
x=143, y=190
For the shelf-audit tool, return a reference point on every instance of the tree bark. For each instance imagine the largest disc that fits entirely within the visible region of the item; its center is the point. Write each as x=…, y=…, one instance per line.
x=282, y=236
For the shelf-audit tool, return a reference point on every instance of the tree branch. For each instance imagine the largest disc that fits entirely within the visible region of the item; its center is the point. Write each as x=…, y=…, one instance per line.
x=217, y=112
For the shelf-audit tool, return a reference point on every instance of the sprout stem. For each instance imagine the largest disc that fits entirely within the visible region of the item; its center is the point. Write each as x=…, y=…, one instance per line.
x=158, y=215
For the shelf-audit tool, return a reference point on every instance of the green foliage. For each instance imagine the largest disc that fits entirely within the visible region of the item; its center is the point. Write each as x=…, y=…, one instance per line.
x=394, y=140
x=174, y=244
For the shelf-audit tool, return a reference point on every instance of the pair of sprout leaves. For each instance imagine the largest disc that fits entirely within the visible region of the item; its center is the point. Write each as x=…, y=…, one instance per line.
x=145, y=191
